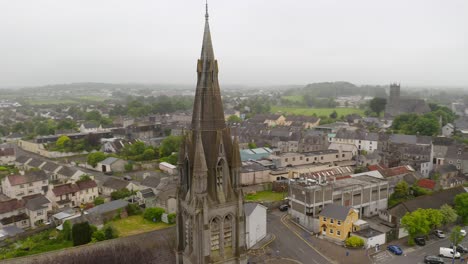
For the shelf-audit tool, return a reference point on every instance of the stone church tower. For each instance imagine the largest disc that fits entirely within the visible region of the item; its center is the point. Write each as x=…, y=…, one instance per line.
x=210, y=216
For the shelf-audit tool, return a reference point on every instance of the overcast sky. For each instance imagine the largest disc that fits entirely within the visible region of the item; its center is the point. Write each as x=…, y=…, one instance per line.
x=257, y=42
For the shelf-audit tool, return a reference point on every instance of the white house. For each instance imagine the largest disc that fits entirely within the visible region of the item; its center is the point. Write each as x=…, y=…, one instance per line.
x=7, y=155
x=90, y=128
x=362, y=140
x=372, y=238
x=111, y=164
x=18, y=186
x=255, y=219
x=447, y=130
x=73, y=194
x=28, y=212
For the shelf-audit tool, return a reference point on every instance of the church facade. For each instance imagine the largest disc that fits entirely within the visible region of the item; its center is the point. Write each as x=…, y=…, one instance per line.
x=210, y=216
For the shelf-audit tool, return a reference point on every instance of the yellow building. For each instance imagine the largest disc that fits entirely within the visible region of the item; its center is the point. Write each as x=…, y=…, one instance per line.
x=337, y=221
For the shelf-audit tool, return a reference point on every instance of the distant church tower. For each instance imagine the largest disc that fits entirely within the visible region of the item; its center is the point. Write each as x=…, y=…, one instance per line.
x=210, y=216
x=393, y=104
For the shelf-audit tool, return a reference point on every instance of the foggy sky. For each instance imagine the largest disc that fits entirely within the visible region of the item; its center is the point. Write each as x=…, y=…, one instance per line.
x=257, y=42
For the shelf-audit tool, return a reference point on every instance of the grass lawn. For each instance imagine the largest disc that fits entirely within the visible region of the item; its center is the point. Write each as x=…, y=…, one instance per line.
x=39, y=243
x=318, y=111
x=51, y=101
x=136, y=224
x=264, y=196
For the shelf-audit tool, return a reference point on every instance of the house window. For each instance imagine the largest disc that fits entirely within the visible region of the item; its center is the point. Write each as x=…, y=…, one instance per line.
x=21, y=186
x=338, y=232
x=342, y=155
x=300, y=157
x=30, y=184
x=307, y=159
x=450, y=162
x=294, y=159
x=331, y=221
x=41, y=212
x=338, y=222
x=324, y=219
x=324, y=229
x=315, y=158
x=286, y=160
x=44, y=182
x=331, y=231
x=336, y=156
x=24, y=222
x=321, y=158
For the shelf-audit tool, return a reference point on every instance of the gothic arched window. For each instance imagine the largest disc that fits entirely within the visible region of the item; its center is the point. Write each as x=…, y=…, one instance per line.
x=214, y=229
x=227, y=232
x=220, y=174
x=188, y=232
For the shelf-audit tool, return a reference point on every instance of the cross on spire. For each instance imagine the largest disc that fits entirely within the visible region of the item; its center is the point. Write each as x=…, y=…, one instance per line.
x=206, y=13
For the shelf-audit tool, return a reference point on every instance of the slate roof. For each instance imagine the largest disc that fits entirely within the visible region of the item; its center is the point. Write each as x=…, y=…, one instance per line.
x=109, y=161
x=36, y=203
x=90, y=125
x=151, y=181
x=67, y=171
x=31, y=176
x=252, y=166
x=435, y=201
x=357, y=135
x=410, y=139
x=335, y=211
x=367, y=233
x=35, y=163
x=87, y=184
x=50, y=166
x=66, y=188
x=250, y=207
x=301, y=118
x=115, y=184
x=22, y=159
x=14, y=219
x=108, y=207
x=11, y=205
x=447, y=168
x=147, y=193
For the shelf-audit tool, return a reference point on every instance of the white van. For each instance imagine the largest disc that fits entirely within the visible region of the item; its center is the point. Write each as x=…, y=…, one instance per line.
x=448, y=253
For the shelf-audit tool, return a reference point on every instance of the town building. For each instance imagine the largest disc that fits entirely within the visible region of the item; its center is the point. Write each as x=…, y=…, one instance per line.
x=32, y=182
x=368, y=194
x=111, y=164
x=329, y=156
x=363, y=140
x=7, y=156
x=336, y=221
x=73, y=194
x=255, y=223
x=396, y=105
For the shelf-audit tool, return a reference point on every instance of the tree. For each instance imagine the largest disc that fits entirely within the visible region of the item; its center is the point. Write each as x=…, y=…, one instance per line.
x=377, y=105
x=98, y=200
x=95, y=157
x=153, y=214
x=461, y=206
x=456, y=236
x=121, y=194
x=401, y=190
x=252, y=145
x=169, y=145
x=81, y=233
x=448, y=213
x=63, y=142
x=416, y=223
x=110, y=232
x=149, y=154
x=434, y=216
x=67, y=230
x=234, y=119
x=128, y=167
x=84, y=177
x=133, y=209
x=334, y=114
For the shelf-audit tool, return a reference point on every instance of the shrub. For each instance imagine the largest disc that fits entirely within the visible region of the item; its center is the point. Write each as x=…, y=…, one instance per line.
x=98, y=200
x=354, y=242
x=128, y=167
x=153, y=214
x=171, y=218
x=66, y=231
x=99, y=235
x=133, y=209
x=81, y=233
x=121, y=194
x=110, y=232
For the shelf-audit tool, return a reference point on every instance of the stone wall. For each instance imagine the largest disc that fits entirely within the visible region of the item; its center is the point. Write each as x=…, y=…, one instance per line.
x=152, y=247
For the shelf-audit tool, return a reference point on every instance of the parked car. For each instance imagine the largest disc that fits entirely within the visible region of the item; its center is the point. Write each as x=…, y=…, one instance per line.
x=462, y=249
x=420, y=241
x=463, y=232
x=395, y=249
x=448, y=252
x=127, y=178
x=433, y=260
x=439, y=233
x=283, y=207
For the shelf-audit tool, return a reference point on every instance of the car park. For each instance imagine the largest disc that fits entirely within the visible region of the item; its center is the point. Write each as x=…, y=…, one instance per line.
x=395, y=249
x=420, y=241
x=433, y=260
x=439, y=233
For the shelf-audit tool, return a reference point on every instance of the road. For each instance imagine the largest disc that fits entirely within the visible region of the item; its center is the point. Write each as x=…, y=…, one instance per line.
x=288, y=244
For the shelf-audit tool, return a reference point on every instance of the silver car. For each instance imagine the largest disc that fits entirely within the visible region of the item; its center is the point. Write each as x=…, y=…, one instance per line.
x=439, y=233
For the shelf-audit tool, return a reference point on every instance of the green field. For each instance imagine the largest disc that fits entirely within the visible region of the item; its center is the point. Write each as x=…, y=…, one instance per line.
x=136, y=224
x=318, y=111
x=294, y=98
x=264, y=196
x=53, y=101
